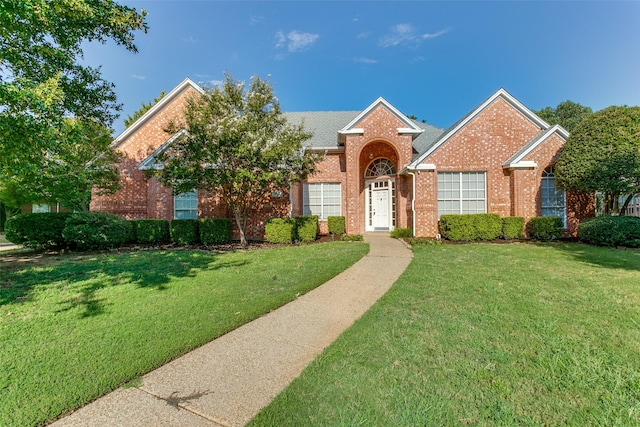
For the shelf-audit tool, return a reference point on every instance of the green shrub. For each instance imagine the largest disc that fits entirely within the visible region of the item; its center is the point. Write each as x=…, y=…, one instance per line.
x=512, y=227
x=352, y=238
x=151, y=231
x=469, y=227
x=96, y=230
x=545, y=227
x=37, y=230
x=611, y=231
x=306, y=228
x=399, y=233
x=184, y=231
x=337, y=225
x=279, y=230
x=215, y=230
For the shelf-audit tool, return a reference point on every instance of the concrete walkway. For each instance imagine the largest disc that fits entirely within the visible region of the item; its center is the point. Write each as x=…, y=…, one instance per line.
x=8, y=246
x=227, y=381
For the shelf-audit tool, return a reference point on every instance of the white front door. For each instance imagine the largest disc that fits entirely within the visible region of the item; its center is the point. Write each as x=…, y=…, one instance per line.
x=380, y=209
x=379, y=205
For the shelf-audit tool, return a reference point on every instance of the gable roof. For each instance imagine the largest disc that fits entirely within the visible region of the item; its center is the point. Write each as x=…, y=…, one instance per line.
x=411, y=127
x=186, y=83
x=150, y=162
x=502, y=94
x=516, y=160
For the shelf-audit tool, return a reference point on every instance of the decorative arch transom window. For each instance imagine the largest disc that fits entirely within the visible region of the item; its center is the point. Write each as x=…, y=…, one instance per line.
x=553, y=198
x=380, y=167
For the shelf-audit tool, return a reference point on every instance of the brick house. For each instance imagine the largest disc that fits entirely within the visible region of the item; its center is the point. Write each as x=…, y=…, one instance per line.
x=380, y=169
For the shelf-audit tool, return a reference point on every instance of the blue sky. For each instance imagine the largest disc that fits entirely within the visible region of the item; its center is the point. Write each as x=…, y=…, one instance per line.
x=434, y=60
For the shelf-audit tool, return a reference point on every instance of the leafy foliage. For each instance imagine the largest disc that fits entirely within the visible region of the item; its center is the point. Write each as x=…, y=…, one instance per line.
x=603, y=154
x=239, y=144
x=143, y=109
x=42, y=81
x=467, y=227
x=306, y=228
x=611, y=231
x=567, y=114
x=184, y=231
x=280, y=230
x=37, y=230
x=512, y=227
x=402, y=233
x=95, y=230
x=152, y=231
x=336, y=225
x=545, y=227
x=215, y=230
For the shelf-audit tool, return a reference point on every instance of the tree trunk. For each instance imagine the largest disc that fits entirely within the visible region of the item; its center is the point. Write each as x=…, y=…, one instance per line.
x=623, y=208
x=241, y=223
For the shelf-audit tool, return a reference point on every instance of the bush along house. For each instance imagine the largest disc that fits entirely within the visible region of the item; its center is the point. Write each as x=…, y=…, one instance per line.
x=380, y=169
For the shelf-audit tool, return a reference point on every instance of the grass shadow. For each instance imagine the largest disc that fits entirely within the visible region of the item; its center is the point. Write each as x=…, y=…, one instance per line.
x=606, y=257
x=83, y=276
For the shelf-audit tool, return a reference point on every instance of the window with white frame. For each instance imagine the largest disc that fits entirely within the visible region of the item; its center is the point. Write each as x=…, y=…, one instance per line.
x=43, y=208
x=323, y=199
x=185, y=205
x=461, y=193
x=553, y=198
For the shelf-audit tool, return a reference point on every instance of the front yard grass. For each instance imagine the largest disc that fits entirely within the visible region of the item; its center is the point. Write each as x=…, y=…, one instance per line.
x=485, y=334
x=75, y=327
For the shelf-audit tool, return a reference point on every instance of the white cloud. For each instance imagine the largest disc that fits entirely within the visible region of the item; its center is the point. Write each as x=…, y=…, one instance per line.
x=295, y=41
x=190, y=40
x=364, y=34
x=138, y=77
x=406, y=34
x=256, y=19
x=363, y=60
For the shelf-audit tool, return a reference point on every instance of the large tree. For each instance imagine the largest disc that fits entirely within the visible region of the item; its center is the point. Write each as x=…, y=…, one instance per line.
x=41, y=79
x=238, y=143
x=602, y=154
x=83, y=159
x=567, y=114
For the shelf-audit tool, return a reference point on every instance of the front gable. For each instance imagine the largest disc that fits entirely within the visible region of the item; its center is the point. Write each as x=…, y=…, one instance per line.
x=500, y=126
x=399, y=124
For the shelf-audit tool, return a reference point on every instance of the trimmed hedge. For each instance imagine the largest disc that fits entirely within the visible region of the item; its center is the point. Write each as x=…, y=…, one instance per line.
x=215, y=230
x=398, y=233
x=468, y=227
x=512, y=227
x=545, y=227
x=37, y=230
x=184, y=231
x=611, y=231
x=306, y=228
x=337, y=225
x=279, y=230
x=152, y=231
x=96, y=230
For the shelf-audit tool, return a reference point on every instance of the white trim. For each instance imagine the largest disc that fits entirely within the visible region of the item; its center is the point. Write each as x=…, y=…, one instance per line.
x=390, y=212
x=187, y=82
x=563, y=133
x=525, y=164
x=501, y=93
x=413, y=201
x=410, y=131
x=333, y=149
x=354, y=131
x=411, y=126
x=422, y=167
x=150, y=163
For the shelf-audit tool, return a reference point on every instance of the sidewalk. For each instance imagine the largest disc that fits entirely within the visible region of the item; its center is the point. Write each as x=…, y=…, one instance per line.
x=8, y=246
x=227, y=381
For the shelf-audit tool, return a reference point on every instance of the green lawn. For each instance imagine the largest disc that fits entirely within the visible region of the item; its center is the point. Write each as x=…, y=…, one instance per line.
x=75, y=327
x=485, y=334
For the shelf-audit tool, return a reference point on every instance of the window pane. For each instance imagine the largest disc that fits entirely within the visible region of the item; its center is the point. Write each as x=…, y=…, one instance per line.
x=461, y=192
x=185, y=205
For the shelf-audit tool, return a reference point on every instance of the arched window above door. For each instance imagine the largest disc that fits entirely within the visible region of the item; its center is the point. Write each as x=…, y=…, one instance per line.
x=380, y=167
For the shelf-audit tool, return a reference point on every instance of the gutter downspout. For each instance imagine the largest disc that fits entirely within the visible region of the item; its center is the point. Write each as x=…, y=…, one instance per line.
x=413, y=200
